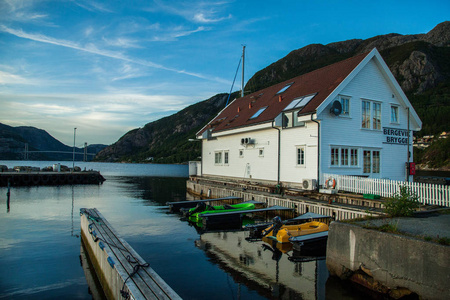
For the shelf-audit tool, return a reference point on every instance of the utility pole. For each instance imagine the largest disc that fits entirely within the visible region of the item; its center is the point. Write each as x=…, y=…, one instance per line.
x=73, y=160
x=243, y=66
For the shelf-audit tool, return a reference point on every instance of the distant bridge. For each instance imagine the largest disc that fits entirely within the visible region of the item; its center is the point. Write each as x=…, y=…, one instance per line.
x=85, y=154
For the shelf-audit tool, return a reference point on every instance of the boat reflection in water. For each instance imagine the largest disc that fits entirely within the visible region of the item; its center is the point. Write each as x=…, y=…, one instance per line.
x=270, y=268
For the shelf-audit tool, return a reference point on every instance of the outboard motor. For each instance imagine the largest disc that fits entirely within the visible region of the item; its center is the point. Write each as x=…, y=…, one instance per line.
x=277, y=224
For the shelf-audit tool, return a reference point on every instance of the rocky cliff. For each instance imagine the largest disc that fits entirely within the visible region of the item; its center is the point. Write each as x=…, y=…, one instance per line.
x=166, y=140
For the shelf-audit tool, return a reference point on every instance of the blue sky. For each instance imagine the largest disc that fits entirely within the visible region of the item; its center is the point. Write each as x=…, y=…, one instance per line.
x=106, y=67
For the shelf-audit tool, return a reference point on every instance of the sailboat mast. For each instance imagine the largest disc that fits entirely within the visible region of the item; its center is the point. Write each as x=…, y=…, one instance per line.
x=243, y=64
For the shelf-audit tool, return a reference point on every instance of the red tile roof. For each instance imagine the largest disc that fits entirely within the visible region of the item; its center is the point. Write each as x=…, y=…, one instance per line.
x=320, y=82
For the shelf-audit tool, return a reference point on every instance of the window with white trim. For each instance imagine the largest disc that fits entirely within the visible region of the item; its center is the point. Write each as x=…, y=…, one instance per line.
x=365, y=114
x=375, y=161
x=218, y=157
x=394, y=114
x=370, y=115
x=354, y=157
x=225, y=157
x=344, y=157
x=371, y=161
x=335, y=156
x=300, y=155
x=377, y=115
x=345, y=102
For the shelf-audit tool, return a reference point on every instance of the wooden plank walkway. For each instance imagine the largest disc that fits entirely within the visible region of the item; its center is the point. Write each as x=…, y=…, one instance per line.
x=121, y=270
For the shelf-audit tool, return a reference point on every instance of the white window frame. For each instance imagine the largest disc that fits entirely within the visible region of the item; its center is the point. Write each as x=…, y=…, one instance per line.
x=372, y=161
x=300, y=162
x=345, y=108
x=344, y=157
x=370, y=116
x=396, y=107
x=226, y=157
x=218, y=158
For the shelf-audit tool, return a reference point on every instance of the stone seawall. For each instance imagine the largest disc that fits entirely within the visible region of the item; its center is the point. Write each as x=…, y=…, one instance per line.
x=388, y=263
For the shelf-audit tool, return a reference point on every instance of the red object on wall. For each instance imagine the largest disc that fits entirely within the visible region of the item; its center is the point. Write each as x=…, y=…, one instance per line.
x=412, y=168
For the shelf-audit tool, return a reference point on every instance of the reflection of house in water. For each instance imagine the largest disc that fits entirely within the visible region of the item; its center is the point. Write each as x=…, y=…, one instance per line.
x=259, y=267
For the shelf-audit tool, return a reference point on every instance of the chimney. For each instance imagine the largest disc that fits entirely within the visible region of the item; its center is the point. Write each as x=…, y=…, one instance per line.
x=249, y=105
x=280, y=98
x=239, y=109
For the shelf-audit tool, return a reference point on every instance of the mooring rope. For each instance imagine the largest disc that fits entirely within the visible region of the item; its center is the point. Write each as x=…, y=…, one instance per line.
x=125, y=294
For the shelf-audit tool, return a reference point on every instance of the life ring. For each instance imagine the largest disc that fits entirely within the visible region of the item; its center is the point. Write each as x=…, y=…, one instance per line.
x=330, y=183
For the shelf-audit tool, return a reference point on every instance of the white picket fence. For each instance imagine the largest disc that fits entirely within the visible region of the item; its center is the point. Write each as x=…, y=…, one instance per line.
x=432, y=194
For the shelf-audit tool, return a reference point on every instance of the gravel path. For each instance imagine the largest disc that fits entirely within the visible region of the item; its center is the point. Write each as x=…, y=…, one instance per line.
x=432, y=225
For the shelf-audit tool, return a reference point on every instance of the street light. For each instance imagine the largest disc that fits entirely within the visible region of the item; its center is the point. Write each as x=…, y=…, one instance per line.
x=73, y=160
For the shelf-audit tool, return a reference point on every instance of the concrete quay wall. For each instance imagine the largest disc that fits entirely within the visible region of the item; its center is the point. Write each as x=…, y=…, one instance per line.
x=300, y=204
x=388, y=263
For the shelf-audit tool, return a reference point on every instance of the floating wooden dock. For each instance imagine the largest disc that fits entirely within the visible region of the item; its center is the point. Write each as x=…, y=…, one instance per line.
x=50, y=178
x=123, y=274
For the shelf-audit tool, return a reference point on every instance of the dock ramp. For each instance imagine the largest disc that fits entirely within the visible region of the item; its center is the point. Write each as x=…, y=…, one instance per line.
x=123, y=274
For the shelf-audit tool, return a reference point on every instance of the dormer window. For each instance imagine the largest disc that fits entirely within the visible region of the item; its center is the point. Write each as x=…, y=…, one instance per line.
x=285, y=88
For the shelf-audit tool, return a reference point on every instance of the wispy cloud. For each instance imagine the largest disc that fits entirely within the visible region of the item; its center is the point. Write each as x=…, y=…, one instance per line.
x=198, y=12
x=92, y=48
x=23, y=12
x=93, y=6
x=203, y=18
x=7, y=78
x=122, y=42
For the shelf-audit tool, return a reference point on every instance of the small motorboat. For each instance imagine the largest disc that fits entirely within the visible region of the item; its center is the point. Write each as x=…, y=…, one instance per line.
x=195, y=214
x=281, y=232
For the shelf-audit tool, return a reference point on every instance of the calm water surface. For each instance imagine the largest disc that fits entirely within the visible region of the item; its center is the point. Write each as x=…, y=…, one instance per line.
x=40, y=243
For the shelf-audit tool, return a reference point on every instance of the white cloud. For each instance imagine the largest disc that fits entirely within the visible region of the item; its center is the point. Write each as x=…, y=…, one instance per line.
x=122, y=42
x=198, y=12
x=93, y=6
x=203, y=18
x=9, y=78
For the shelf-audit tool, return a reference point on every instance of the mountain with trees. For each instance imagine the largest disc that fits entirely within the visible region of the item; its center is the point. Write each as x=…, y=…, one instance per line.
x=14, y=140
x=419, y=62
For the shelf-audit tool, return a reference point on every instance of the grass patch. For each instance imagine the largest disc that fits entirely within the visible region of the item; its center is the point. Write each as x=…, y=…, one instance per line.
x=389, y=227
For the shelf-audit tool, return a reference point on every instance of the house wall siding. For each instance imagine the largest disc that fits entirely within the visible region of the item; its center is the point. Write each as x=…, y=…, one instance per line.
x=291, y=138
x=340, y=131
x=251, y=164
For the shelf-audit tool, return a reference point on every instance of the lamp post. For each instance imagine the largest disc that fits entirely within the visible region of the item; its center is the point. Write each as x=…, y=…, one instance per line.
x=73, y=159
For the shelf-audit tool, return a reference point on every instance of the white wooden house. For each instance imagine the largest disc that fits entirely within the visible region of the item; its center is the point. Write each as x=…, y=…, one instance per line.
x=348, y=118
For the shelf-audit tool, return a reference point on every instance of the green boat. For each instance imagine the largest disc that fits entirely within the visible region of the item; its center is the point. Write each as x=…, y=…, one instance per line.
x=195, y=214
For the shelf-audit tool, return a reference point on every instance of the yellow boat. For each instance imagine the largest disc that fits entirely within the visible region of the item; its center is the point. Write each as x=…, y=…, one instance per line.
x=284, y=232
